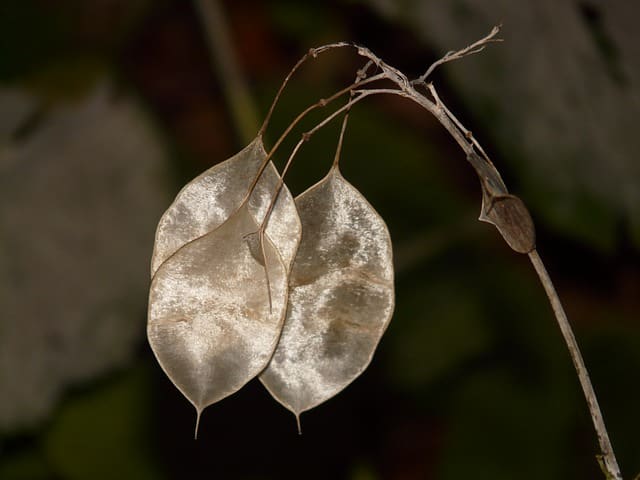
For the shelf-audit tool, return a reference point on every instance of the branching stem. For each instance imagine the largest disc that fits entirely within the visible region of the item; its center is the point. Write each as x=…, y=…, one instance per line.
x=307, y=135
x=312, y=53
x=353, y=99
x=475, y=47
x=408, y=89
x=321, y=103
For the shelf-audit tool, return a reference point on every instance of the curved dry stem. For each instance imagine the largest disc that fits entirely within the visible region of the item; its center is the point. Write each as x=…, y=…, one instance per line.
x=312, y=53
x=469, y=145
x=467, y=133
x=343, y=128
x=608, y=459
x=362, y=73
x=307, y=135
x=320, y=103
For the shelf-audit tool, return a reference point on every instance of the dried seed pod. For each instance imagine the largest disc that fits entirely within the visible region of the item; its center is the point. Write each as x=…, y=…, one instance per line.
x=212, y=325
x=512, y=219
x=341, y=296
x=505, y=211
x=208, y=201
x=218, y=291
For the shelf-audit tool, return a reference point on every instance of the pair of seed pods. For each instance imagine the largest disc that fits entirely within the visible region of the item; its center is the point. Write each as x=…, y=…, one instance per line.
x=302, y=307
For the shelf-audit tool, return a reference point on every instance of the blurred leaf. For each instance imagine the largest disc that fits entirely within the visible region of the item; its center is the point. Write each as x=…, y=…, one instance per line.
x=104, y=433
x=80, y=192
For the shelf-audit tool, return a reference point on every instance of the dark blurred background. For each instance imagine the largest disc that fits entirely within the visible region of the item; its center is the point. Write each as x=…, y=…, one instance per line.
x=107, y=107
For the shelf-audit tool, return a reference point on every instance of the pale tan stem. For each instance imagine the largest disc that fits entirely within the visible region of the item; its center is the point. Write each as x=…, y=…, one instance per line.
x=305, y=138
x=469, y=144
x=609, y=461
x=321, y=103
x=312, y=53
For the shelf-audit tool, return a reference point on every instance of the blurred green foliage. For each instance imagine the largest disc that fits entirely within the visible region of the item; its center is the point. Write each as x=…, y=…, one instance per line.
x=104, y=433
x=101, y=432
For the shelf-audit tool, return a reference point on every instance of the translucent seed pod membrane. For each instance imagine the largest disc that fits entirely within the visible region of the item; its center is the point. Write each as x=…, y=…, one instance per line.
x=217, y=300
x=341, y=296
x=247, y=282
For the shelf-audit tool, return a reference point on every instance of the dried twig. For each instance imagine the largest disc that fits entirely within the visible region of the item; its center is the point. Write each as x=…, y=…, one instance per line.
x=507, y=212
x=607, y=459
x=475, y=47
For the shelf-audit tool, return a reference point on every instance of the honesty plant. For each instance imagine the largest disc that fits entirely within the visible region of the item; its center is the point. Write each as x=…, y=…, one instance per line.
x=249, y=282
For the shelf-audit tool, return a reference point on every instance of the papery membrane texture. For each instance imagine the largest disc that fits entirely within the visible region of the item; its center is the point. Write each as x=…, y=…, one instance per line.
x=210, y=323
x=218, y=294
x=341, y=296
x=208, y=201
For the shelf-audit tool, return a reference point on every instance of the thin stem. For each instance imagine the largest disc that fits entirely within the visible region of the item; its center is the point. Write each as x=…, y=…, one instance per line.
x=265, y=162
x=463, y=137
x=360, y=76
x=312, y=53
x=460, y=133
x=608, y=457
x=362, y=73
x=469, y=145
x=343, y=128
x=321, y=103
x=438, y=112
x=467, y=133
x=279, y=94
x=266, y=270
x=304, y=138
